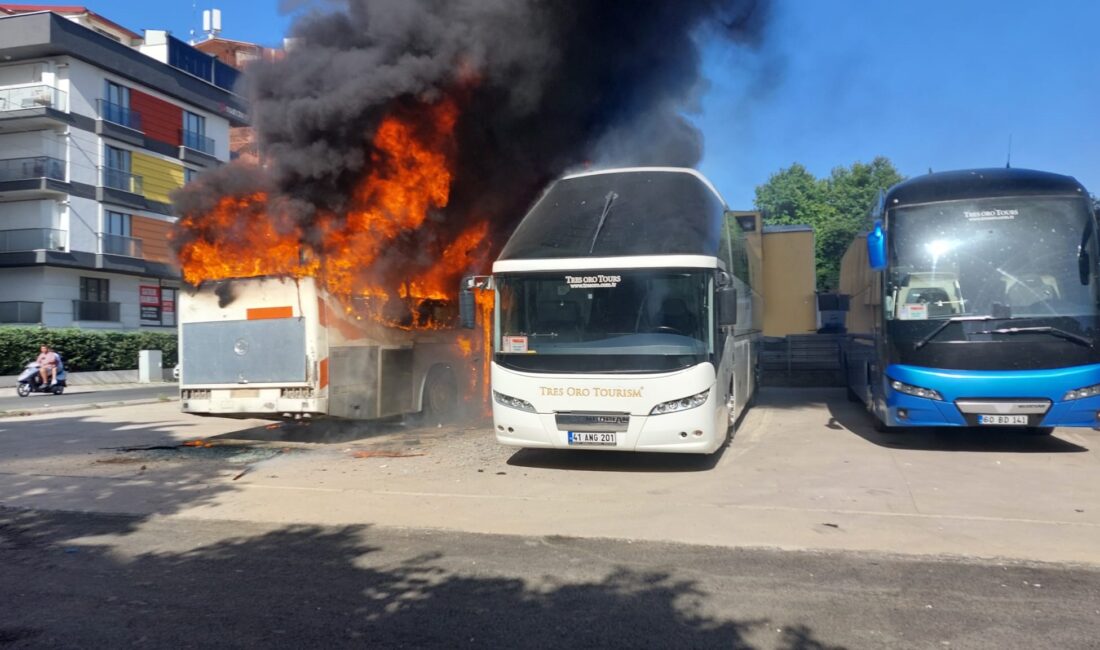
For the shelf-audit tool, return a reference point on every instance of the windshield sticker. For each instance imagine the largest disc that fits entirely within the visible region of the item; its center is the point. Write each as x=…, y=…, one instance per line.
x=990, y=215
x=593, y=281
x=515, y=344
x=914, y=312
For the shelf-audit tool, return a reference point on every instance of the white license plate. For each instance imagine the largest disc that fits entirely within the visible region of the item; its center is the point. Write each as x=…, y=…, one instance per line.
x=593, y=438
x=1002, y=420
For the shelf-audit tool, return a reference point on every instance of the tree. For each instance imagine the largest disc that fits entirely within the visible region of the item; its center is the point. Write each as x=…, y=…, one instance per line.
x=836, y=207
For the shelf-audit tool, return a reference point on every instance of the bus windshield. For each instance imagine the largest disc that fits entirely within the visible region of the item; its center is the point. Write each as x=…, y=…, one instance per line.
x=637, y=320
x=1030, y=257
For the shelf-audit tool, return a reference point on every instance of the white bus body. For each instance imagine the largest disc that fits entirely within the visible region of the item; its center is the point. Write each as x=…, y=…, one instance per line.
x=273, y=347
x=642, y=352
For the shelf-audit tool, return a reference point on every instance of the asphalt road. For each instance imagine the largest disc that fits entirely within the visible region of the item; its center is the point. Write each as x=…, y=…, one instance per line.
x=81, y=395
x=84, y=580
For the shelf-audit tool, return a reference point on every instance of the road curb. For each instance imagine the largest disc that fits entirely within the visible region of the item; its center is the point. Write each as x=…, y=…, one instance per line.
x=15, y=413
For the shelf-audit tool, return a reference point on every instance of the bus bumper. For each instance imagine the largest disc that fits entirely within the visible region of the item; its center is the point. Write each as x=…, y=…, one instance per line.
x=961, y=390
x=684, y=432
x=254, y=403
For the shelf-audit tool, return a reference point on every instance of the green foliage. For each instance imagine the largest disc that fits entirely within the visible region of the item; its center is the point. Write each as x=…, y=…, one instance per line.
x=837, y=207
x=82, y=350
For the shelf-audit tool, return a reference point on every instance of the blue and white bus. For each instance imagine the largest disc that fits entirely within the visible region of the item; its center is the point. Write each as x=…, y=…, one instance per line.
x=986, y=304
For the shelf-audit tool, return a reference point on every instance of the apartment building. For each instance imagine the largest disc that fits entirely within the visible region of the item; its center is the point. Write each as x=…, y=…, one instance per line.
x=98, y=125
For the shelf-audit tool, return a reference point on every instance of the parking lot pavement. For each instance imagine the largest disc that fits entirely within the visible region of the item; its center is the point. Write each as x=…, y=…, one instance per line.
x=805, y=470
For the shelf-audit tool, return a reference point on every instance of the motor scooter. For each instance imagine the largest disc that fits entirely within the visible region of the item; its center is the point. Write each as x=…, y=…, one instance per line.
x=31, y=382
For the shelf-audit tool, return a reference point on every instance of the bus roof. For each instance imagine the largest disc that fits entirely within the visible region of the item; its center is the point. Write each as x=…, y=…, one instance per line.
x=979, y=183
x=621, y=212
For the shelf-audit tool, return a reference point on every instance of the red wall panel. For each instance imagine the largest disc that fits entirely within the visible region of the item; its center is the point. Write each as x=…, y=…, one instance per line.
x=159, y=119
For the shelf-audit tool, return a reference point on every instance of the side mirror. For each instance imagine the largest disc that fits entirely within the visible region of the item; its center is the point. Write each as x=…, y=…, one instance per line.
x=723, y=279
x=876, y=247
x=727, y=307
x=1084, y=266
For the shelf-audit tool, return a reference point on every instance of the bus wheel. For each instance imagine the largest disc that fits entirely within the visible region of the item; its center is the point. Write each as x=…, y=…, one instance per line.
x=440, y=394
x=1038, y=431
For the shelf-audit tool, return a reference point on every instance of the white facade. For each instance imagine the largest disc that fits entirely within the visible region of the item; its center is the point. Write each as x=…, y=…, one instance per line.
x=64, y=226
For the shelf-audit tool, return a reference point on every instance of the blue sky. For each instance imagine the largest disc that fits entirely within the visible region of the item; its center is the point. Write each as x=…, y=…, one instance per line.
x=931, y=84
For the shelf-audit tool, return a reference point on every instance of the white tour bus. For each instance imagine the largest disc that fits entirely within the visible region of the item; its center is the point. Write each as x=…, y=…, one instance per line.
x=623, y=316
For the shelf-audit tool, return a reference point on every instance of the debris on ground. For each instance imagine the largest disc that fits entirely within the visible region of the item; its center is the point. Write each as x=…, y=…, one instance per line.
x=382, y=453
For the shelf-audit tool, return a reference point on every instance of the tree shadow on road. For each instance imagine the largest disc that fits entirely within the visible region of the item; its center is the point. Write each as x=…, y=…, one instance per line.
x=308, y=586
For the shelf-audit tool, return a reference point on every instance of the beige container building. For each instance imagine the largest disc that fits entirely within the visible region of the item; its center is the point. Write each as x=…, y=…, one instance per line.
x=789, y=280
x=862, y=285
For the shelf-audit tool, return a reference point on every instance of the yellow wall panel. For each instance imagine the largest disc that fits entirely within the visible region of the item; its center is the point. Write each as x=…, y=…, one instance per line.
x=158, y=176
x=790, y=299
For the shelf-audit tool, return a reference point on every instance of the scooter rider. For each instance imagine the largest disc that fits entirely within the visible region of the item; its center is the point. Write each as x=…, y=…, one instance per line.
x=47, y=365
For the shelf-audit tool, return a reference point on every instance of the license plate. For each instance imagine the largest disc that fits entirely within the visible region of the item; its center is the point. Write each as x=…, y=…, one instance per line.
x=1002, y=420
x=593, y=438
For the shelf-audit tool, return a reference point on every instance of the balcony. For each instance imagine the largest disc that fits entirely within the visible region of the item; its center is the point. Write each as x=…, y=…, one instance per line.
x=20, y=311
x=118, y=179
x=30, y=178
x=119, y=245
x=197, y=149
x=23, y=98
x=32, y=107
x=31, y=239
x=22, y=169
x=93, y=310
x=117, y=121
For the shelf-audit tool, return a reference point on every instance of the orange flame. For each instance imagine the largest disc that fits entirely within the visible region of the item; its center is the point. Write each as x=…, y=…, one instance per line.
x=357, y=255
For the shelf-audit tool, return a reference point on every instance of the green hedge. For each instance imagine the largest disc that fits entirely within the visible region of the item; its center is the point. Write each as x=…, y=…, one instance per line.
x=82, y=350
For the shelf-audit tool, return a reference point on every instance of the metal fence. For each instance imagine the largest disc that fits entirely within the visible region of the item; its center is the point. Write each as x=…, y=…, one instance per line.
x=118, y=114
x=198, y=142
x=808, y=359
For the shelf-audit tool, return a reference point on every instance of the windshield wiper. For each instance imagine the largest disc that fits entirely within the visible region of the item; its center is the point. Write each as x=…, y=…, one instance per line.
x=1053, y=331
x=607, y=201
x=942, y=326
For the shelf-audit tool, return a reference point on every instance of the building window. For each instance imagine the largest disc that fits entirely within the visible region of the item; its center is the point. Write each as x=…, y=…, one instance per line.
x=189, y=175
x=95, y=289
x=194, y=133
x=116, y=170
x=117, y=223
x=116, y=106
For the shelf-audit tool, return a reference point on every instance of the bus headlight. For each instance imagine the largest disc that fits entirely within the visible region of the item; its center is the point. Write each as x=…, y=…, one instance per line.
x=915, y=391
x=513, y=402
x=1081, y=393
x=682, y=404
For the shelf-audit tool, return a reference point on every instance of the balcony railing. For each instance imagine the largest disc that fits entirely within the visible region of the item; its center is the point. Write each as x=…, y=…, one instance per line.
x=118, y=114
x=119, y=245
x=31, y=239
x=24, y=97
x=21, y=169
x=20, y=311
x=95, y=310
x=122, y=180
x=198, y=142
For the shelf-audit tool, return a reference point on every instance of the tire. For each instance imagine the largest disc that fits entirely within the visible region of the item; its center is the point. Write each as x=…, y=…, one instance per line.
x=23, y=389
x=57, y=390
x=440, y=395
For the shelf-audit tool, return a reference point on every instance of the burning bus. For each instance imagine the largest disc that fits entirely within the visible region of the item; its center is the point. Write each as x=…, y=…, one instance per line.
x=277, y=347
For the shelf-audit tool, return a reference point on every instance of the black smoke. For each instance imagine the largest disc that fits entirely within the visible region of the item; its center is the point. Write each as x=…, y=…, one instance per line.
x=543, y=85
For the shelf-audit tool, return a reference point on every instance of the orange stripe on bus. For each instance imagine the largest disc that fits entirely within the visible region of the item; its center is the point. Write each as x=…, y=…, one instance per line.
x=322, y=381
x=262, y=313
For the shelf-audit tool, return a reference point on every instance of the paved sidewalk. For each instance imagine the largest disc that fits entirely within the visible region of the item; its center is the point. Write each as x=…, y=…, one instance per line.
x=83, y=397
